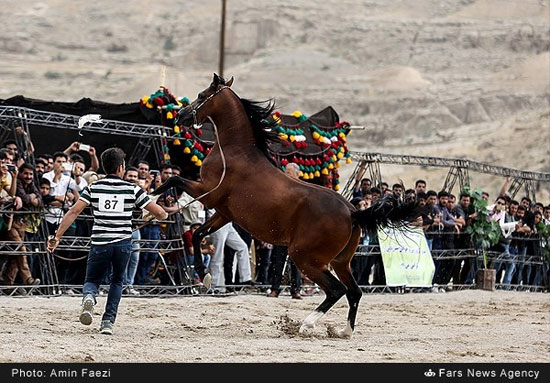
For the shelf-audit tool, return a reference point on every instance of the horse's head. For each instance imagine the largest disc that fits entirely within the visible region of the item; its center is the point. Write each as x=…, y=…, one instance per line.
x=197, y=110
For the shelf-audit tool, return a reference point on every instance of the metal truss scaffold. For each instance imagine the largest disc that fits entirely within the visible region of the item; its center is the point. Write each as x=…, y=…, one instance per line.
x=369, y=163
x=32, y=117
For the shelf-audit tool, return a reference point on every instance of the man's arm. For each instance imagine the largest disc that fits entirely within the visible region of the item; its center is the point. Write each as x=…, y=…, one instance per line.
x=67, y=221
x=95, y=162
x=157, y=210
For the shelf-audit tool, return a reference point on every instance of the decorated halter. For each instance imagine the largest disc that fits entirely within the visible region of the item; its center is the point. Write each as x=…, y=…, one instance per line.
x=196, y=123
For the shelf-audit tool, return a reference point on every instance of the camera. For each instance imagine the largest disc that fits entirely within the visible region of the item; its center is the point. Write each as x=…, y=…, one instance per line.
x=11, y=167
x=68, y=168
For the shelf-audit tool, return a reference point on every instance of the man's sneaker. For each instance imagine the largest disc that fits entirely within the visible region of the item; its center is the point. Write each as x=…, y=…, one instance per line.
x=133, y=291
x=86, y=315
x=207, y=280
x=106, y=327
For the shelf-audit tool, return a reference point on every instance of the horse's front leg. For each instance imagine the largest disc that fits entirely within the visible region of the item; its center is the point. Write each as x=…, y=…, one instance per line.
x=193, y=188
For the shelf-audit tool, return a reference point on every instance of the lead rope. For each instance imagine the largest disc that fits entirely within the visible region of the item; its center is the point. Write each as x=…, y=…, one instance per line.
x=223, y=162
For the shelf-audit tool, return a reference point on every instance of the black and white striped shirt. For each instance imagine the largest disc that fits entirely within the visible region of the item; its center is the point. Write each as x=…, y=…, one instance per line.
x=113, y=200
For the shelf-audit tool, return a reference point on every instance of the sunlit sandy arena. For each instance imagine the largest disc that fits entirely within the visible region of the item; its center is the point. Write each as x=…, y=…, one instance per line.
x=462, y=326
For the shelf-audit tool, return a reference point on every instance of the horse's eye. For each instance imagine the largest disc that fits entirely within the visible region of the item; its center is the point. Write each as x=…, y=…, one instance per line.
x=201, y=96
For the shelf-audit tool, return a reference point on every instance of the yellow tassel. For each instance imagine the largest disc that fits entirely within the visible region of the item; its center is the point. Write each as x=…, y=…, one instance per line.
x=337, y=187
x=331, y=166
x=166, y=156
x=296, y=114
x=187, y=150
x=334, y=158
x=194, y=159
x=277, y=119
x=338, y=165
x=301, y=174
x=169, y=115
x=310, y=176
x=292, y=138
x=342, y=149
x=145, y=99
x=176, y=129
x=150, y=106
x=342, y=135
x=340, y=155
x=348, y=160
x=324, y=171
x=177, y=142
x=317, y=173
x=316, y=136
x=306, y=176
x=198, y=163
x=283, y=136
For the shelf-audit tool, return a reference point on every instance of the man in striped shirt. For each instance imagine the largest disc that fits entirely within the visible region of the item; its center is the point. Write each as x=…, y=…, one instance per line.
x=112, y=200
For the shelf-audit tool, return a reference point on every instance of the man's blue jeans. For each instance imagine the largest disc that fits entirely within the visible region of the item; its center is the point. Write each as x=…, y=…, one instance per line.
x=100, y=258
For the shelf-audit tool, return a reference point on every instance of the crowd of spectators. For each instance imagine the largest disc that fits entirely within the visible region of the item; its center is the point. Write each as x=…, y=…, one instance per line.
x=36, y=192
x=518, y=257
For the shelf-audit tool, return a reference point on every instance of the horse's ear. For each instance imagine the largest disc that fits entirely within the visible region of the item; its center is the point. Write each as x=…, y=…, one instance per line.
x=229, y=82
x=216, y=81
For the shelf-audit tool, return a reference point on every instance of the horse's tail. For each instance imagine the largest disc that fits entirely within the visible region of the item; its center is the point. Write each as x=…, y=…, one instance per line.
x=175, y=181
x=387, y=211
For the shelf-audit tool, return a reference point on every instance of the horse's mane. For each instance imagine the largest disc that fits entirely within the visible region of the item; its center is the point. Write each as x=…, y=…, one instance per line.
x=259, y=113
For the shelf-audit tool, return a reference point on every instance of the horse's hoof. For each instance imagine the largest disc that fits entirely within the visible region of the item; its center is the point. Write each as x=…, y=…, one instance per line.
x=346, y=332
x=304, y=327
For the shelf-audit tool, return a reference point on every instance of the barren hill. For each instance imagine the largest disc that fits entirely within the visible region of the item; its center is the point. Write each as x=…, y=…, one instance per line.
x=459, y=78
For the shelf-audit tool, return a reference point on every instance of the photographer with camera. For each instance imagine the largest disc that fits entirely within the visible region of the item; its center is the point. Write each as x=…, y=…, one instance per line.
x=78, y=146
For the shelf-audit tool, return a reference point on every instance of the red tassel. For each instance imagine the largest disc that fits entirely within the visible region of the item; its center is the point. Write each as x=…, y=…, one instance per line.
x=284, y=162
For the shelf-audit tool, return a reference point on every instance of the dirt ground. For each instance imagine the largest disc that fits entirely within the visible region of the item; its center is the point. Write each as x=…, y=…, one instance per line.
x=463, y=326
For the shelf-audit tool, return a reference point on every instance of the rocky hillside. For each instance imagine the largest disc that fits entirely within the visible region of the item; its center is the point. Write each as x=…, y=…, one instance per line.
x=451, y=78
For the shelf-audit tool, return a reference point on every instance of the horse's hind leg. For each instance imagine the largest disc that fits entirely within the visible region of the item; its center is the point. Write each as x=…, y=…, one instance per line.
x=333, y=288
x=341, y=266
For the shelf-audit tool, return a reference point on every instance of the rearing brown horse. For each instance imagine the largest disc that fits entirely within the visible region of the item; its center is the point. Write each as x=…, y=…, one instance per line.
x=238, y=179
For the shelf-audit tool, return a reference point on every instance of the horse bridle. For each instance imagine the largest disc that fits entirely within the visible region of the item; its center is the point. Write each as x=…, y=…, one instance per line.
x=196, y=123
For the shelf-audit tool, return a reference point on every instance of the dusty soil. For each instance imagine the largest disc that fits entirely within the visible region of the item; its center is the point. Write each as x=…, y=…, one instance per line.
x=464, y=326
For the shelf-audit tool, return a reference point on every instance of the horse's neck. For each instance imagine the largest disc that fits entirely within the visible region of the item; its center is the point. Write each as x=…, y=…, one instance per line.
x=234, y=129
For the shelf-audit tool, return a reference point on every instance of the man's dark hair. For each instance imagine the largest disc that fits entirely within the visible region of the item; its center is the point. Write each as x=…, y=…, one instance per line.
x=26, y=166
x=131, y=169
x=143, y=162
x=366, y=179
x=375, y=190
x=397, y=186
x=521, y=207
x=484, y=192
x=421, y=195
x=384, y=183
x=56, y=155
x=514, y=202
x=526, y=199
x=419, y=182
x=165, y=166
x=452, y=196
x=507, y=199
x=3, y=155
x=546, y=208
x=409, y=191
x=442, y=193
x=430, y=193
x=77, y=158
x=539, y=204
x=9, y=142
x=462, y=195
x=46, y=156
x=355, y=201
x=175, y=167
x=537, y=213
x=41, y=161
x=44, y=181
x=501, y=198
x=111, y=159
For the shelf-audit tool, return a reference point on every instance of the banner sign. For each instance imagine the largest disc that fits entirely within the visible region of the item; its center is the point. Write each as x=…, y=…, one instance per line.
x=406, y=257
